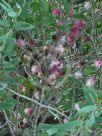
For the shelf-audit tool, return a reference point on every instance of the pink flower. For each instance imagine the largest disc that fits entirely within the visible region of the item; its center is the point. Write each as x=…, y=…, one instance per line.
x=35, y=69
x=37, y=95
x=70, y=40
x=78, y=75
x=98, y=63
x=90, y=82
x=56, y=67
x=25, y=121
x=22, y=88
x=74, y=32
x=73, y=35
x=56, y=12
x=71, y=13
x=28, y=111
x=32, y=43
x=79, y=24
x=20, y=42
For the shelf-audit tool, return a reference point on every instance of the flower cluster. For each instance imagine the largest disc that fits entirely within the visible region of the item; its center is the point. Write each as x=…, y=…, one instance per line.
x=75, y=32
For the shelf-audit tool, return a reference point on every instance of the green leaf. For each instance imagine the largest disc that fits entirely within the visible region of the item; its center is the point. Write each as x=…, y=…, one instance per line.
x=66, y=6
x=52, y=131
x=75, y=81
x=88, y=96
x=87, y=109
x=90, y=121
x=8, y=104
x=63, y=127
x=98, y=119
x=4, y=23
x=8, y=9
x=22, y=26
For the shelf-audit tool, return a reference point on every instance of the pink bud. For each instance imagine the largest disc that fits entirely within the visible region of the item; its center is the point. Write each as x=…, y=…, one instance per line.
x=20, y=42
x=28, y=111
x=35, y=69
x=22, y=88
x=78, y=75
x=90, y=82
x=37, y=95
x=25, y=121
x=32, y=43
x=98, y=63
x=56, y=12
x=71, y=13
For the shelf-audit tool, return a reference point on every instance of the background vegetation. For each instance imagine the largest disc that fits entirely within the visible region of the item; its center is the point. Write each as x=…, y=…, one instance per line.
x=50, y=68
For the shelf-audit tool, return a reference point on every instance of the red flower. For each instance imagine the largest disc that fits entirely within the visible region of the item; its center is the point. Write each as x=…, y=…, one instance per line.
x=73, y=35
x=32, y=43
x=79, y=24
x=56, y=12
x=56, y=68
x=70, y=40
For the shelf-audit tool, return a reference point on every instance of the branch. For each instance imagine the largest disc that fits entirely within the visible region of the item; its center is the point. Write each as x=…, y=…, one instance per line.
x=27, y=98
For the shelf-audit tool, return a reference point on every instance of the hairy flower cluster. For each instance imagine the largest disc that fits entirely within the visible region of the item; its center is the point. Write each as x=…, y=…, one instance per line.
x=20, y=42
x=56, y=70
x=75, y=32
x=56, y=12
x=28, y=111
x=98, y=63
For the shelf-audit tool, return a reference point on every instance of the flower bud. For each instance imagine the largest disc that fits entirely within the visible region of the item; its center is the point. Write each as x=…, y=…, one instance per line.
x=32, y=43
x=90, y=82
x=98, y=63
x=37, y=95
x=22, y=88
x=25, y=121
x=28, y=111
x=56, y=12
x=78, y=75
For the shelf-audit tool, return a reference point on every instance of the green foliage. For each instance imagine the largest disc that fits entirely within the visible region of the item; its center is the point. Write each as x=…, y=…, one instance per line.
x=43, y=32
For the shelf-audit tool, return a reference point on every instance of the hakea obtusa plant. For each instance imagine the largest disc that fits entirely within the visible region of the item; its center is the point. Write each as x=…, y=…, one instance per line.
x=52, y=66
